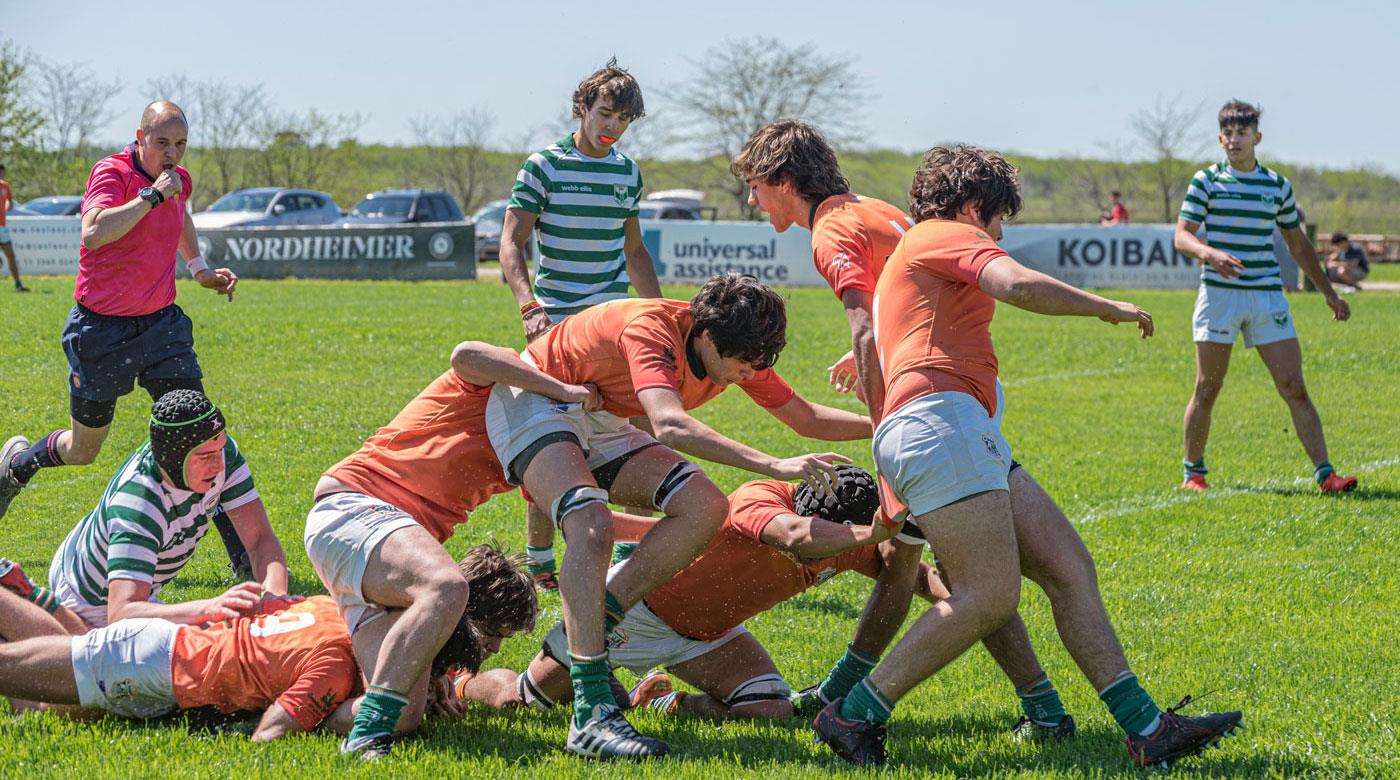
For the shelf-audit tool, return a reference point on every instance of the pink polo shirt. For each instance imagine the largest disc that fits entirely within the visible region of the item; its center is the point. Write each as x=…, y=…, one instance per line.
x=135, y=274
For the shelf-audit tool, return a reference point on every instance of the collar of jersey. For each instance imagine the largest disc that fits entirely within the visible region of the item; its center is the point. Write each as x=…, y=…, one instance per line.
x=136, y=163
x=692, y=359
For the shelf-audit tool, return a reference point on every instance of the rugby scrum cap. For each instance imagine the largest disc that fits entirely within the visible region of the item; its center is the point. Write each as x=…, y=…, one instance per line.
x=181, y=421
x=853, y=503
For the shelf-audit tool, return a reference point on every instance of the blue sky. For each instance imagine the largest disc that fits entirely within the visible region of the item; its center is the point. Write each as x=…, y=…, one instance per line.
x=1039, y=78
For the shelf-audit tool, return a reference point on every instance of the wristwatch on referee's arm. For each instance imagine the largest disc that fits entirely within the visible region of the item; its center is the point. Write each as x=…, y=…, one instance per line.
x=151, y=195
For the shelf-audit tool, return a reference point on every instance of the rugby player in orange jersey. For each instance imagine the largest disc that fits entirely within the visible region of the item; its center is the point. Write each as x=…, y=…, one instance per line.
x=778, y=540
x=940, y=447
x=375, y=533
x=658, y=358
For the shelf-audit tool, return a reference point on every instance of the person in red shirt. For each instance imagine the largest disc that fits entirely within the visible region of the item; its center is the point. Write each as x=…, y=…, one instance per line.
x=7, y=199
x=940, y=448
x=1116, y=213
x=778, y=541
x=125, y=328
x=655, y=358
x=375, y=531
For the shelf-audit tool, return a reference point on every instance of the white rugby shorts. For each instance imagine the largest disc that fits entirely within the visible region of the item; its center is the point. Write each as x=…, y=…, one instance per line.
x=124, y=668
x=1222, y=314
x=342, y=532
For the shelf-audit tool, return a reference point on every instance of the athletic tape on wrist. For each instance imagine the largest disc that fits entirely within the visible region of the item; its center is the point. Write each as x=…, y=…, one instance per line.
x=196, y=264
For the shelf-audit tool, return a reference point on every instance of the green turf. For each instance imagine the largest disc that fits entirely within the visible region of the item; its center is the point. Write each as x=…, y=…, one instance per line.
x=1281, y=601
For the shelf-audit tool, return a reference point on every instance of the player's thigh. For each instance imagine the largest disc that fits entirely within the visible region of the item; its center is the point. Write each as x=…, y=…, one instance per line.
x=407, y=564
x=1284, y=359
x=1049, y=547
x=725, y=672
x=1212, y=362
x=975, y=542
x=553, y=470
x=658, y=477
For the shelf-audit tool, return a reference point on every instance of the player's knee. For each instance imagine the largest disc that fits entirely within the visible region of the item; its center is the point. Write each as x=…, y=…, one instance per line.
x=704, y=504
x=445, y=591
x=1208, y=389
x=762, y=710
x=1292, y=388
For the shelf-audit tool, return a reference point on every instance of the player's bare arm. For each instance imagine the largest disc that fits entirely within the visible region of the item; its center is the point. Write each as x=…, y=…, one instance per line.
x=515, y=237
x=103, y=226
x=131, y=599
x=815, y=421
x=265, y=553
x=485, y=364
x=1188, y=243
x=871, y=381
x=676, y=429
x=1010, y=282
x=275, y=723
x=640, y=268
x=220, y=280
x=813, y=537
x=1305, y=254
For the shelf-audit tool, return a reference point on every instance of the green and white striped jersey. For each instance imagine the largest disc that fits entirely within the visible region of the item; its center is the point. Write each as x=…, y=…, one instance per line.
x=143, y=529
x=1239, y=211
x=581, y=202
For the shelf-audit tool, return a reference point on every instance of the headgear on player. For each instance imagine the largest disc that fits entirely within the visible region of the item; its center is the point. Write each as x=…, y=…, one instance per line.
x=181, y=421
x=853, y=503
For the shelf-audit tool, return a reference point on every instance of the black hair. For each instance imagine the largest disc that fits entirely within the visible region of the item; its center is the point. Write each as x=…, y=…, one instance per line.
x=745, y=318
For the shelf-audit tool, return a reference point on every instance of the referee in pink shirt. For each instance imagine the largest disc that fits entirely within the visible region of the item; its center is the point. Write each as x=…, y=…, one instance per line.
x=125, y=328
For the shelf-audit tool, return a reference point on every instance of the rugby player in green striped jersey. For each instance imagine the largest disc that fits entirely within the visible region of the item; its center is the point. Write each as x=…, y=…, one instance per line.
x=1239, y=202
x=581, y=194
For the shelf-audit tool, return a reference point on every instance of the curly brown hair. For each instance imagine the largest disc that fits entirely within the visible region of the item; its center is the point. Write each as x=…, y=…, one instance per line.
x=616, y=86
x=1238, y=113
x=790, y=150
x=948, y=179
x=501, y=594
x=745, y=318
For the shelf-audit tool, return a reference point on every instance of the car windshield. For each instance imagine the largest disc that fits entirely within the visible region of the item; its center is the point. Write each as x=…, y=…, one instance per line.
x=490, y=214
x=383, y=206
x=49, y=206
x=242, y=200
x=647, y=212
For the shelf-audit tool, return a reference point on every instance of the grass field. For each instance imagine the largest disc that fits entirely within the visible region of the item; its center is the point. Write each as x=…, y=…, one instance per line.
x=1281, y=601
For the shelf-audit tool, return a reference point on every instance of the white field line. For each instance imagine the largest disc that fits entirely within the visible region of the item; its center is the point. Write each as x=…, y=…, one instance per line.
x=1062, y=375
x=1184, y=496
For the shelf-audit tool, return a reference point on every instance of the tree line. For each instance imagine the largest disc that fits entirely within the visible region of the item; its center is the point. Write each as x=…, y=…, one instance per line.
x=50, y=114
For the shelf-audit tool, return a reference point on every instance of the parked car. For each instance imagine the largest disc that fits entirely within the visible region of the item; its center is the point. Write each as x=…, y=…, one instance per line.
x=21, y=211
x=55, y=205
x=675, y=204
x=269, y=206
x=404, y=205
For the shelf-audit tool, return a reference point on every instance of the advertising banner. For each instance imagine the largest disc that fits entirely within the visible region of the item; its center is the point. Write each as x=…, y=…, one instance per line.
x=434, y=250
x=686, y=252
x=46, y=245
x=1095, y=256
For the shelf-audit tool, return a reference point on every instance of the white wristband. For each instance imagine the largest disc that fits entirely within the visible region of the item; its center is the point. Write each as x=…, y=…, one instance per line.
x=196, y=264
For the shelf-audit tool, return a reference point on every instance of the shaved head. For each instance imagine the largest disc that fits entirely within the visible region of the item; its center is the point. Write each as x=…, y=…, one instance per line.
x=160, y=113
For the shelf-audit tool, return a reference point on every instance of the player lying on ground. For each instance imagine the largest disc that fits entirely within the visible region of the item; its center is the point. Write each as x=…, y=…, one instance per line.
x=941, y=448
x=656, y=358
x=149, y=520
x=779, y=540
x=1240, y=203
x=293, y=665
x=375, y=532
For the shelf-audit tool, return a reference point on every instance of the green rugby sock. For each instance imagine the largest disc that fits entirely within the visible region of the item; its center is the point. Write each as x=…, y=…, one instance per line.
x=1193, y=468
x=612, y=612
x=851, y=669
x=1131, y=706
x=866, y=702
x=379, y=713
x=622, y=551
x=589, y=675
x=1323, y=471
x=541, y=559
x=1040, y=701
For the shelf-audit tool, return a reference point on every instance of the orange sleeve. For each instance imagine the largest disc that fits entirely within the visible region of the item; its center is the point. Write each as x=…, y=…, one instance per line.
x=755, y=504
x=965, y=257
x=328, y=678
x=652, y=348
x=767, y=389
x=841, y=251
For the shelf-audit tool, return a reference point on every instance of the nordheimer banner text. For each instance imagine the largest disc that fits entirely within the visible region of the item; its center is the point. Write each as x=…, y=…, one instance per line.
x=438, y=250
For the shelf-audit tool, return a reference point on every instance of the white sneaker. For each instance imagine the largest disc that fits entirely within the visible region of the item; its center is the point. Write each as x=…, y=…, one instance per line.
x=607, y=734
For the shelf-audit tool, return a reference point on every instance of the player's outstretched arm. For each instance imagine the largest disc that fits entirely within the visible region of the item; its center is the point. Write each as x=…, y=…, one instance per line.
x=675, y=428
x=816, y=421
x=132, y=599
x=1306, y=256
x=813, y=537
x=264, y=551
x=515, y=237
x=1007, y=280
x=485, y=364
x=859, y=306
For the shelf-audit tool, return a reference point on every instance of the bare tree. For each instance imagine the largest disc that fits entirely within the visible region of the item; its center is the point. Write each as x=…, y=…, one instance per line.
x=20, y=120
x=1094, y=179
x=1171, y=132
x=742, y=85
x=222, y=118
x=300, y=150
x=75, y=105
x=457, y=157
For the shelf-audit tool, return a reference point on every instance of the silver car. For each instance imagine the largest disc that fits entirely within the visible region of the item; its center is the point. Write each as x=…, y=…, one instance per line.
x=269, y=206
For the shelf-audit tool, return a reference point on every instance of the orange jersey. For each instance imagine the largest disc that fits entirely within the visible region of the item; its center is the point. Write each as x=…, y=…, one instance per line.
x=299, y=657
x=630, y=345
x=433, y=459
x=932, y=322
x=6, y=199
x=852, y=237
x=738, y=576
